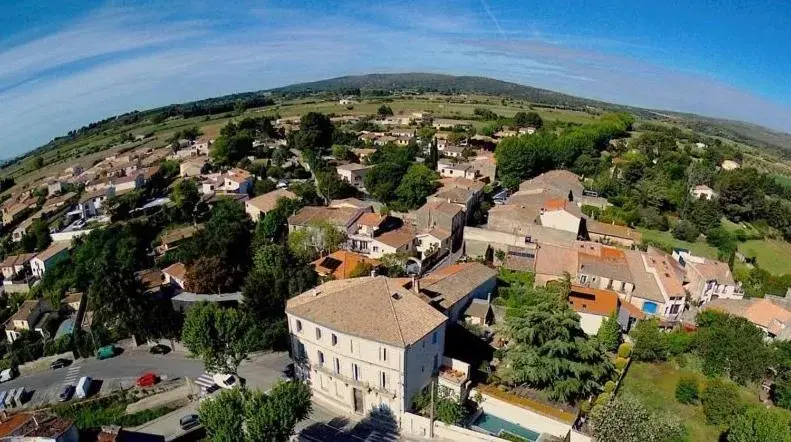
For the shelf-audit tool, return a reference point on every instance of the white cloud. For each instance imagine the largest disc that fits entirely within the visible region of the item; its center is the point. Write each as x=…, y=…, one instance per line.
x=105, y=32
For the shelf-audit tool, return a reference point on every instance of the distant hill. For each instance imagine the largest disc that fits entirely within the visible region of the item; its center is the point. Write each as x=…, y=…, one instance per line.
x=423, y=82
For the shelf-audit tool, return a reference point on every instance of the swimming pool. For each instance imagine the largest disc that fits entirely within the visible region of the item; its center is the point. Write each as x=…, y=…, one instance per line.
x=495, y=425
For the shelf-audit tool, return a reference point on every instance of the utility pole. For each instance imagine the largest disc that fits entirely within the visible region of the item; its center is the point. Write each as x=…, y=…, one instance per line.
x=431, y=412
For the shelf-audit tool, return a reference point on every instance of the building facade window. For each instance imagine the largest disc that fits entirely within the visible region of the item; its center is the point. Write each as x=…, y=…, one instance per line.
x=321, y=358
x=334, y=339
x=337, y=366
x=299, y=325
x=384, y=354
x=318, y=333
x=383, y=380
x=356, y=372
x=434, y=338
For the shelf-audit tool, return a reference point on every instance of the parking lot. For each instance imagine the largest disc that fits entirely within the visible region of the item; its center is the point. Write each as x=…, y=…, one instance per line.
x=110, y=374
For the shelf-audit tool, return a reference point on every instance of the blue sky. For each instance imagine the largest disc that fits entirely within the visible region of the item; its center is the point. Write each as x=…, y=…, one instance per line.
x=64, y=63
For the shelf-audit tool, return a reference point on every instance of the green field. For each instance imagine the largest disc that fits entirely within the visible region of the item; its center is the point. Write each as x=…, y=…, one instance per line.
x=699, y=247
x=772, y=255
x=437, y=107
x=655, y=386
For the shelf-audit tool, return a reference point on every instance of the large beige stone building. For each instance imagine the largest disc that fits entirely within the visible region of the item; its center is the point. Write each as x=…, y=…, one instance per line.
x=365, y=343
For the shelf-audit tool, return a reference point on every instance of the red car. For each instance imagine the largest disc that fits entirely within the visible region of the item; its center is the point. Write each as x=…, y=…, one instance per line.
x=147, y=380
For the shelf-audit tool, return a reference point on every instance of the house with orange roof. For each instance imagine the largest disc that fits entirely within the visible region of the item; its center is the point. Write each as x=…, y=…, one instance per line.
x=341, y=263
x=176, y=274
x=772, y=314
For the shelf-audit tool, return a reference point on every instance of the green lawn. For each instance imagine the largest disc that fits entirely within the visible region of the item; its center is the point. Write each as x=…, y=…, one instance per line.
x=772, y=255
x=655, y=386
x=699, y=248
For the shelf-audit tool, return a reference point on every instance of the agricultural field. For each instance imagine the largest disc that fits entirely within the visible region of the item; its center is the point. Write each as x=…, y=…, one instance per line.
x=699, y=247
x=772, y=255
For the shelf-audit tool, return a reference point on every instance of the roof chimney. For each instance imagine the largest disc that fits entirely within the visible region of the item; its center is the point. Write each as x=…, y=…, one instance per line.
x=416, y=284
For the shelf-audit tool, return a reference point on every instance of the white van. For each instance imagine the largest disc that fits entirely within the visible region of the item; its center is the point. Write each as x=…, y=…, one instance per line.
x=83, y=387
x=7, y=374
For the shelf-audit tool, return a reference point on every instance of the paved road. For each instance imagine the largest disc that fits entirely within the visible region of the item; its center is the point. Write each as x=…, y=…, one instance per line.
x=123, y=370
x=260, y=372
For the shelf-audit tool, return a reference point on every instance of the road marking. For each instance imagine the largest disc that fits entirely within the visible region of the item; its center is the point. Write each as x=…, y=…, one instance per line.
x=205, y=381
x=72, y=374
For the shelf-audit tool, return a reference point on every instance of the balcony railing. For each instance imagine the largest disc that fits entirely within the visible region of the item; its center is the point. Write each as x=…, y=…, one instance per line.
x=364, y=385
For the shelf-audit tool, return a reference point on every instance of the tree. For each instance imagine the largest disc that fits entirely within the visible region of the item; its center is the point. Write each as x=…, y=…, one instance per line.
x=263, y=186
x=625, y=419
x=208, y=275
x=759, y=424
x=221, y=415
x=781, y=391
x=185, y=196
x=273, y=226
x=222, y=338
x=418, y=183
x=731, y=345
x=314, y=134
x=383, y=180
x=394, y=264
x=649, y=345
x=330, y=186
x=37, y=237
x=273, y=416
x=229, y=149
x=720, y=400
x=686, y=231
x=549, y=350
x=703, y=214
x=528, y=119
x=609, y=334
x=449, y=411
x=316, y=239
x=252, y=416
x=687, y=390
x=384, y=111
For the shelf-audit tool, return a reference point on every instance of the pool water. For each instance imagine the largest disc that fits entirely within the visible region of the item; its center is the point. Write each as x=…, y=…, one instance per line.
x=495, y=425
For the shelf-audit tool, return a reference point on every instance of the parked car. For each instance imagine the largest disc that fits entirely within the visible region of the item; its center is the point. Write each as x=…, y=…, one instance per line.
x=147, y=380
x=160, y=349
x=108, y=351
x=226, y=380
x=8, y=374
x=66, y=393
x=83, y=387
x=189, y=421
x=59, y=363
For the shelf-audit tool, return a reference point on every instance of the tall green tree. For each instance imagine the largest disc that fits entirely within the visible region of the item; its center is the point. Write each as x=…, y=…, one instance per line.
x=649, y=343
x=383, y=180
x=418, y=183
x=528, y=119
x=314, y=134
x=733, y=346
x=185, y=196
x=221, y=416
x=253, y=416
x=609, y=334
x=221, y=338
x=550, y=351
